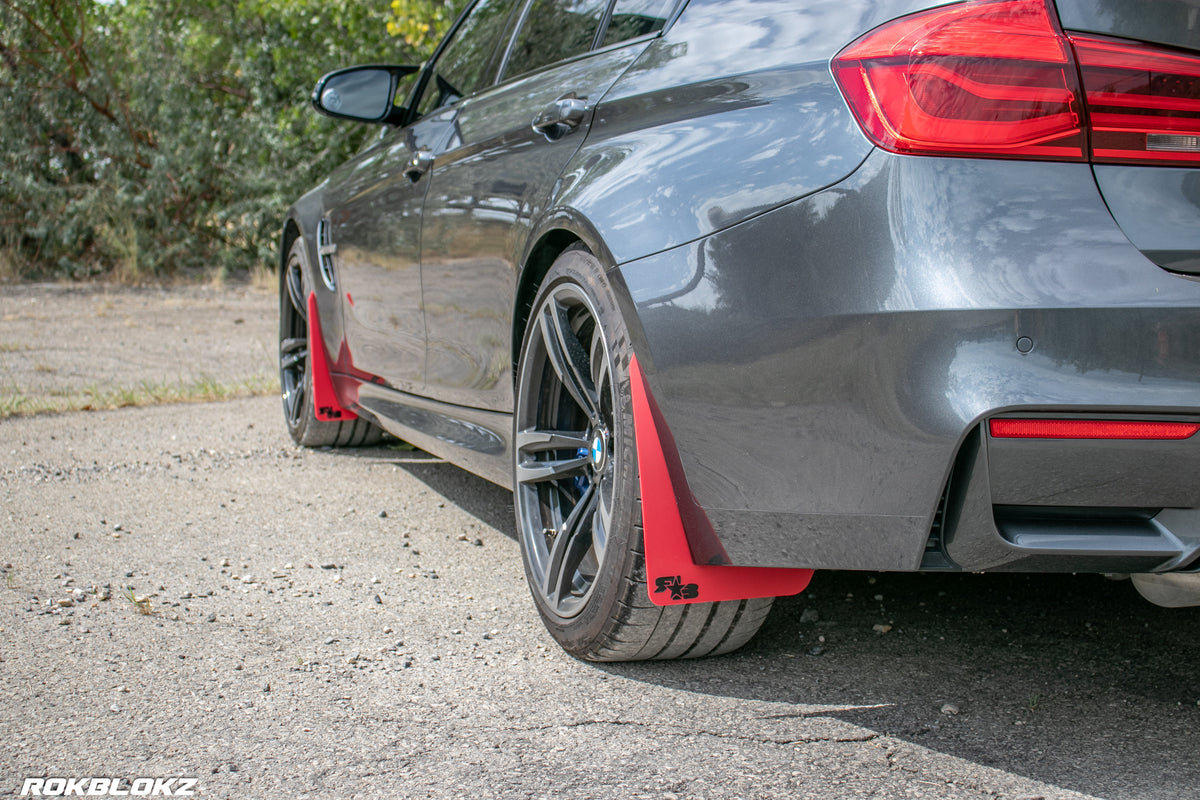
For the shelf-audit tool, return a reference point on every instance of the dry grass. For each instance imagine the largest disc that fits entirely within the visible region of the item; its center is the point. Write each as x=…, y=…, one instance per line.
x=10, y=266
x=264, y=278
x=146, y=393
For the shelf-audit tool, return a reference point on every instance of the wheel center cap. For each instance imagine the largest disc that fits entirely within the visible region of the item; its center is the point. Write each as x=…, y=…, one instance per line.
x=598, y=452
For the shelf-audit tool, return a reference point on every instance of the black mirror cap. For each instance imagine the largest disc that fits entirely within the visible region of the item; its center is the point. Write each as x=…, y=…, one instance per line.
x=377, y=109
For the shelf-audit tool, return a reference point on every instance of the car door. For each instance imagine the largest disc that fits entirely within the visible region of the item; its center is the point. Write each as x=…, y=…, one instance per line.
x=494, y=179
x=374, y=208
x=372, y=231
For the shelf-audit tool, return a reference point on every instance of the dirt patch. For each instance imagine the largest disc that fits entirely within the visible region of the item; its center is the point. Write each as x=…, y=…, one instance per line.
x=64, y=347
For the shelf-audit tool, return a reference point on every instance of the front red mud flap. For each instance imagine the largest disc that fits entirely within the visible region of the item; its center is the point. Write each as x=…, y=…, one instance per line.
x=672, y=575
x=325, y=403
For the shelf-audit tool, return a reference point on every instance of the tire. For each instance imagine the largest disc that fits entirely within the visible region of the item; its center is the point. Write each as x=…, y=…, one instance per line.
x=576, y=485
x=295, y=377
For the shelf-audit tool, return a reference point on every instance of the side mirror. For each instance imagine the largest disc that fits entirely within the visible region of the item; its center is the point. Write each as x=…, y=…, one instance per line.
x=363, y=94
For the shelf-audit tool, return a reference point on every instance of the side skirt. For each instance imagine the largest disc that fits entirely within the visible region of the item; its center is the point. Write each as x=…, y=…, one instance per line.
x=478, y=441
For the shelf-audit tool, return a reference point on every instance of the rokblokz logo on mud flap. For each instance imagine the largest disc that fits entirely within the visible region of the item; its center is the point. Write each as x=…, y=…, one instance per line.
x=109, y=787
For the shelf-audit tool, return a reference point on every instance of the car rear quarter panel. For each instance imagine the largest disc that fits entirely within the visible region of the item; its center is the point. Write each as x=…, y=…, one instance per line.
x=731, y=113
x=820, y=365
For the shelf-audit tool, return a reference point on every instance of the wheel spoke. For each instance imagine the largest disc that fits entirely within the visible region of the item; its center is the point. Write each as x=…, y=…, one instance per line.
x=568, y=357
x=288, y=362
x=598, y=360
x=293, y=400
x=603, y=522
x=568, y=549
x=295, y=279
x=540, y=471
x=293, y=352
x=532, y=440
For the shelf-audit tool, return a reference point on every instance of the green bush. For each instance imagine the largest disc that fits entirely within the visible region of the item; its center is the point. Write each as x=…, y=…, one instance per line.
x=152, y=138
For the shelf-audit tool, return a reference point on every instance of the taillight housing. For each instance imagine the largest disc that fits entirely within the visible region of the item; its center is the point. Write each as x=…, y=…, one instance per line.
x=1144, y=102
x=999, y=79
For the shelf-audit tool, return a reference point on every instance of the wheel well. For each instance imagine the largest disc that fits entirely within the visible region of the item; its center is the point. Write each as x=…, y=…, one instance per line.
x=541, y=258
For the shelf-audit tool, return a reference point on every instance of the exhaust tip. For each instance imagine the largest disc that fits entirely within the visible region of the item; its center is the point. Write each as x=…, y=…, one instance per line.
x=1169, y=589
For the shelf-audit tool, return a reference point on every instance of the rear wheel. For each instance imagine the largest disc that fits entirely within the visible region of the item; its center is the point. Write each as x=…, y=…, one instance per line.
x=577, y=491
x=295, y=375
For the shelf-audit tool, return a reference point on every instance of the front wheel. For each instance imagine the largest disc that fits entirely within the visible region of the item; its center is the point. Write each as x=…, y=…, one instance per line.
x=295, y=373
x=577, y=494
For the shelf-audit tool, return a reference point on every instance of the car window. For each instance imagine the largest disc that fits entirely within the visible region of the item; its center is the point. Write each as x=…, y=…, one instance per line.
x=554, y=30
x=633, y=18
x=462, y=68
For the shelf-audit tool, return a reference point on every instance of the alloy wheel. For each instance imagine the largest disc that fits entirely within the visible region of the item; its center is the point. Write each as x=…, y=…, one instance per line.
x=293, y=343
x=565, y=450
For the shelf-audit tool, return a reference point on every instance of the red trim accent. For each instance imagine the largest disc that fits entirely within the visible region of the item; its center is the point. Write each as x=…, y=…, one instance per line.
x=672, y=575
x=1089, y=429
x=325, y=403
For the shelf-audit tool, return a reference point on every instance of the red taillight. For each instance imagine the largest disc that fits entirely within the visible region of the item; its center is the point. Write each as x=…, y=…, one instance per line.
x=997, y=78
x=1144, y=102
x=1089, y=429
x=980, y=79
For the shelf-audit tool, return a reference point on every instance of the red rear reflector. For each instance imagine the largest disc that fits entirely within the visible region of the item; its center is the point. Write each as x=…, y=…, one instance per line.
x=991, y=78
x=1089, y=429
x=1144, y=102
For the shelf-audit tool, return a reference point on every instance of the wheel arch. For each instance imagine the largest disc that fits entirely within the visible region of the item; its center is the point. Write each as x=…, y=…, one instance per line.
x=558, y=232
x=291, y=232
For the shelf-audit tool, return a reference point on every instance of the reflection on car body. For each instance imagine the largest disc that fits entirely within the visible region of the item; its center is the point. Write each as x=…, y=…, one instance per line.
x=731, y=290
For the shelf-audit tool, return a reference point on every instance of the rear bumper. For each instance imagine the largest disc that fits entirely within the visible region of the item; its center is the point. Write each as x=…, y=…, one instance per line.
x=826, y=368
x=1082, y=506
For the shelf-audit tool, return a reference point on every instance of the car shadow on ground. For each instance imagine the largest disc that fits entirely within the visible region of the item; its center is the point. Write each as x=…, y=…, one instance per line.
x=1073, y=680
x=487, y=502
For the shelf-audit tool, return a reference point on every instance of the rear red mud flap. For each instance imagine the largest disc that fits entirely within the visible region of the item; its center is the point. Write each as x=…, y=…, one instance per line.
x=684, y=560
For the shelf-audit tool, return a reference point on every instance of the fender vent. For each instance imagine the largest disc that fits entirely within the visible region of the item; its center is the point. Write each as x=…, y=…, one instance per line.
x=325, y=251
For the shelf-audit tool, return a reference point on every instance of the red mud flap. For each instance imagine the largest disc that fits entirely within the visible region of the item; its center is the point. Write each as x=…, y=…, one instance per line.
x=325, y=403
x=672, y=575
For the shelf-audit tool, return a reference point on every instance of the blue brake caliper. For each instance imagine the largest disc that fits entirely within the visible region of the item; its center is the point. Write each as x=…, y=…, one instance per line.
x=581, y=481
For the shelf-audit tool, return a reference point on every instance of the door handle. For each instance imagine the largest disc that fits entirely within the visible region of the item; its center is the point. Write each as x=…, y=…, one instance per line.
x=561, y=117
x=418, y=164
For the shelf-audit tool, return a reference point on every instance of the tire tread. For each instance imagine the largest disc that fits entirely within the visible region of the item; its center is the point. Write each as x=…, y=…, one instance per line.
x=640, y=630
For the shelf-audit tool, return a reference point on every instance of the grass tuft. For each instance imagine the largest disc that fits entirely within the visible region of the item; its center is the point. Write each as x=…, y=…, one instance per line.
x=141, y=604
x=204, y=389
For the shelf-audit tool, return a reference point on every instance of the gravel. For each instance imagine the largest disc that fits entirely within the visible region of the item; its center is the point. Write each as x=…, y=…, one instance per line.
x=286, y=681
